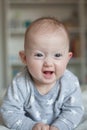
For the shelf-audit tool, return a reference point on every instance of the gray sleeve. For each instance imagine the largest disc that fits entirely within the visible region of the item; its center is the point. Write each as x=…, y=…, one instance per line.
x=72, y=108
x=12, y=109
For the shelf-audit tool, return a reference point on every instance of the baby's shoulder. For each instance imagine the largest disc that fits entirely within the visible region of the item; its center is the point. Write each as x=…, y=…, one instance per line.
x=22, y=76
x=22, y=81
x=69, y=80
x=68, y=75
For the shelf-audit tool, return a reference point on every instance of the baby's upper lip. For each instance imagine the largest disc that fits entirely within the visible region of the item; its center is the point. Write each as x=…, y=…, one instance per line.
x=51, y=71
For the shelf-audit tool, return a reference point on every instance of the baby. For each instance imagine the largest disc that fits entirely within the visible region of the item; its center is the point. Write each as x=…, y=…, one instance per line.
x=45, y=95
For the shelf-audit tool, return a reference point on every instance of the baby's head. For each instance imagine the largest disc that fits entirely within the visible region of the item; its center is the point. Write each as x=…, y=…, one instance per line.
x=45, y=26
x=46, y=50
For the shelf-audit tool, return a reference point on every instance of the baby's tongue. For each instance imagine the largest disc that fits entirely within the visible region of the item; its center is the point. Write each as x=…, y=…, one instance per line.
x=48, y=72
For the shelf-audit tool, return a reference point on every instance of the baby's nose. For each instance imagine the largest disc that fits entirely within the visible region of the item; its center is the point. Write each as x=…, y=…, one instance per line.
x=48, y=62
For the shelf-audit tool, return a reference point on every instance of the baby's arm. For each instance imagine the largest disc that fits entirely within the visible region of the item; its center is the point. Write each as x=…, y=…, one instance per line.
x=12, y=109
x=72, y=108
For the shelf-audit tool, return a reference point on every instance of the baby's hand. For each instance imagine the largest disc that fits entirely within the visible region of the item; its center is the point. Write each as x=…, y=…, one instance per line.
x=41, y=126
x=53, y=128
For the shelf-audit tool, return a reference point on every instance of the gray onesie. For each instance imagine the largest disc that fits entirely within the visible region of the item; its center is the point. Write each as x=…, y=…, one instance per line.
x=24, y=106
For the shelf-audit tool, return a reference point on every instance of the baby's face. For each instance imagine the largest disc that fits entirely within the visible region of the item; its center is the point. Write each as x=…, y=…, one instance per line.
x=47, y=56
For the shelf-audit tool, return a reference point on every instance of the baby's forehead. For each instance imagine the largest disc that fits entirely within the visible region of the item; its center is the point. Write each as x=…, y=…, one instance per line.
x=45, y=26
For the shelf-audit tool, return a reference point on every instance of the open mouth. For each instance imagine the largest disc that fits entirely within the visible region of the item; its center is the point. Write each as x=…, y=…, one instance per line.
x=48, y=74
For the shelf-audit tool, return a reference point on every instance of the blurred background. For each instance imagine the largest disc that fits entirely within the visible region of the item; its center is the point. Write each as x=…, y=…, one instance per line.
x=17, y=15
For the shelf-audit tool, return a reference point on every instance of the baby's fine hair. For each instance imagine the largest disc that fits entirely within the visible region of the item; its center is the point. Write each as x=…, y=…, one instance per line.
x=44, y=24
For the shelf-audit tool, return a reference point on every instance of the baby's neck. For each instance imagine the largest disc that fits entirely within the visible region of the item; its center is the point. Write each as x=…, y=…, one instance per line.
x=44, y=89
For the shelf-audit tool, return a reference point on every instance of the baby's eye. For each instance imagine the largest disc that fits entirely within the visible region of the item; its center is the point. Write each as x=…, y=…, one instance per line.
x=39, y=55
x=57, y=55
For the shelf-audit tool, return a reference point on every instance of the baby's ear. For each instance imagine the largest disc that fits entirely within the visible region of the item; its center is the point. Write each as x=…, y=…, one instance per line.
x=22, y=56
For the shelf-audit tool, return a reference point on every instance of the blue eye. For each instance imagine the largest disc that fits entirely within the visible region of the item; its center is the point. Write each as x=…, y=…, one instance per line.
x=58, y=55
x=39, y=55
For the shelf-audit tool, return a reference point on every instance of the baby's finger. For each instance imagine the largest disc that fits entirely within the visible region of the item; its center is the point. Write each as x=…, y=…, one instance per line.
x=45, y=127
x=37, y=127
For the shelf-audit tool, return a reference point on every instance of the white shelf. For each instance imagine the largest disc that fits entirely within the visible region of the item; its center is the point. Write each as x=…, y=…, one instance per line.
x=43, y=2
x=21, y=31
x=17, y=31
x=17, y=64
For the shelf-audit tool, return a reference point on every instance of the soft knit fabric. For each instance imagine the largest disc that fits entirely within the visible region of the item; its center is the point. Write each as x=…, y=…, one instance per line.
x=24, y=106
